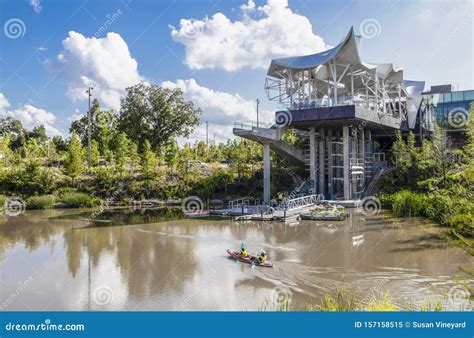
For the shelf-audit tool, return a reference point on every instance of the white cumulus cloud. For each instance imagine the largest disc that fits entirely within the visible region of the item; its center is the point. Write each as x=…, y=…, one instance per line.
x=31, y=116
x=4, y=104
x=219, y=108
x=103, y=63
x=36, y=4
x=263, y=33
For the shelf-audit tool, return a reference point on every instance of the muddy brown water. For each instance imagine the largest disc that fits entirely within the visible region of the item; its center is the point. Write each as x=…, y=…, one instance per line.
x=157, y=260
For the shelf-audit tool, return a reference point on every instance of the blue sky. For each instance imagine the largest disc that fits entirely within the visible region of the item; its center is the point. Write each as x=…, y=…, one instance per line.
x=44, y=70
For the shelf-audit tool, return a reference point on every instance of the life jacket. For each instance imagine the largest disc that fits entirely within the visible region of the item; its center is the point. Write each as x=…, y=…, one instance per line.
x=243, y=253
x=262, y=258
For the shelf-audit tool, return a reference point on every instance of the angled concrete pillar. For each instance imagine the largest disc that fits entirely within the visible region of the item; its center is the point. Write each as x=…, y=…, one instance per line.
x=321, y=161
x=362, y=153
x=266, y=172
x=330, y=166
x=312, y=158
x=345, y=144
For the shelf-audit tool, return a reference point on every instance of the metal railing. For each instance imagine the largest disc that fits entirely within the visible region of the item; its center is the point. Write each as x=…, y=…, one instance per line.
x=303, y=201
x=249, y=125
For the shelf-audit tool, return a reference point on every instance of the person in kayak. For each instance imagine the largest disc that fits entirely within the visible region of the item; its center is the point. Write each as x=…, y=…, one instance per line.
x=243, y=250
x=262, y=257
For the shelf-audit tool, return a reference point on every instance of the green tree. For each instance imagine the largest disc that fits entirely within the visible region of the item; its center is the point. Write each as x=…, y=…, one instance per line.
x=121, y=151
x=95, y=153
x=156, y=114
x=442, y=154
x=102, y=127
x=74, y=160
x=59, y=143
x=148, y=163
x=133, y=155
x=401, y=156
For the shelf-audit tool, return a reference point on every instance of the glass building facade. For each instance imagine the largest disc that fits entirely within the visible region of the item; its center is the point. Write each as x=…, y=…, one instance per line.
x=448, y=108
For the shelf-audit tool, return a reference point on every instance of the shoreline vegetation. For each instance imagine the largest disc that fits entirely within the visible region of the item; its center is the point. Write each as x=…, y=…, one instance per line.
x=132, y=161
x=343, y=301
x=435, y=181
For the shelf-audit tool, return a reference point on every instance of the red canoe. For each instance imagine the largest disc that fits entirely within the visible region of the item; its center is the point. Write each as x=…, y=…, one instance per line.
x=249, y=260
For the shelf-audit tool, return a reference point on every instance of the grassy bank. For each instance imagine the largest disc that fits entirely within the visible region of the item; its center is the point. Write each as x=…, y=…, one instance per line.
x=344, y=301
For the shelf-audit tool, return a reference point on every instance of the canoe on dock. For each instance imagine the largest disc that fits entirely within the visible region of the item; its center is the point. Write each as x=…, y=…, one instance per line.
x=323, y=216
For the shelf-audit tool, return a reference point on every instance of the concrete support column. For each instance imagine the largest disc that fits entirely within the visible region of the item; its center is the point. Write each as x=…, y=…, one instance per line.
x=355, y=155
x=362, y=151
x=266, y=172
x=345, y=143
x=330, y=166
x=369, y=138
x=312, y=158
x=321, y=161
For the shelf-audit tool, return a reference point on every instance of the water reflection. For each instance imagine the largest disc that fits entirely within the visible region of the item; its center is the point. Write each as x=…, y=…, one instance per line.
x=157, y=260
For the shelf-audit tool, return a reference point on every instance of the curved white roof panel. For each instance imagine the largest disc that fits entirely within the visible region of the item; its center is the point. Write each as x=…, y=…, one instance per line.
x=346, y=52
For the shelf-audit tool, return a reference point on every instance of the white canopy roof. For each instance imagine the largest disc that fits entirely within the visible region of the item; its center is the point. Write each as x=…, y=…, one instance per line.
x=345, y=53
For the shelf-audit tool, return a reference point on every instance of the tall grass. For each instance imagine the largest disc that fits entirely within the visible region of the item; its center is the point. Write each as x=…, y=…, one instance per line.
x=40, y=202
x=78, y=200
x=406, y=203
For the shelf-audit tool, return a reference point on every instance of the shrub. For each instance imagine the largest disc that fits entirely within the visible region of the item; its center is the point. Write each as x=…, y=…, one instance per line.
x=408, y=204
x=40, y=202
x=79, y=200
x=385, y=304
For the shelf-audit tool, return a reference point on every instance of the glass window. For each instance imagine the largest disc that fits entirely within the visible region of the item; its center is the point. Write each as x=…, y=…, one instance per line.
x=437, y=98
x=446, y=97
x=457, y=96
x=469, y=95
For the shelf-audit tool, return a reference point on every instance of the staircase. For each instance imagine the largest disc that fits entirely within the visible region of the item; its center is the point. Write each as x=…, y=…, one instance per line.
x=271, y=134
x=376, y=181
